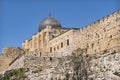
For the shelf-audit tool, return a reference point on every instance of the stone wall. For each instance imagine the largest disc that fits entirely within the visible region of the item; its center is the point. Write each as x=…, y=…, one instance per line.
x=40, y=41
x=7, y=56
x=63, y=44
x=18, y=63
x=12, y=52
x=100, y=35
x=4, y=63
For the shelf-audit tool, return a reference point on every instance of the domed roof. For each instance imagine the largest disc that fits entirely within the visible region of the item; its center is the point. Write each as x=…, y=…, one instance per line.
x=49, y=21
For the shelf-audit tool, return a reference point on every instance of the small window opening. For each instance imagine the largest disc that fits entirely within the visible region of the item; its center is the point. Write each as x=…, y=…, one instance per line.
x=67, y=41
x=92, y=45
x=54, y=48
x=50, y=49
x=61, y=44
x=50, y=59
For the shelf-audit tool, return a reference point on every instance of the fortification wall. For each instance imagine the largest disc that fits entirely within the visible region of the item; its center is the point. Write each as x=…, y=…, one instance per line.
x=4, y=63
x=12, y=52
x=100, y=35
x=18, y=63
x=8, y=55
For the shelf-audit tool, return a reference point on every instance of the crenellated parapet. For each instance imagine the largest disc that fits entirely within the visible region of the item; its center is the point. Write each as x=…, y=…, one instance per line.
x=101, y=34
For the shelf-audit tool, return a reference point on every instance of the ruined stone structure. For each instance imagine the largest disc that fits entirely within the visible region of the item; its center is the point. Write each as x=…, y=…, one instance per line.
x=8, y=56
x=54, y=40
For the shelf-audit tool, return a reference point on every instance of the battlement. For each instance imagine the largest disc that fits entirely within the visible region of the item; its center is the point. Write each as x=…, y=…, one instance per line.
x=101, y=34
x=107, y=18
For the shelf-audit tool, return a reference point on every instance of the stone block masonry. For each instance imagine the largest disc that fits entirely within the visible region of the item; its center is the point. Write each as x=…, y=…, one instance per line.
x=9, y=54
x=100, y=35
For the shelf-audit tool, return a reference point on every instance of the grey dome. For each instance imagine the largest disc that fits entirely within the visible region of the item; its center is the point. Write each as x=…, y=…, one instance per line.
x=49, y=21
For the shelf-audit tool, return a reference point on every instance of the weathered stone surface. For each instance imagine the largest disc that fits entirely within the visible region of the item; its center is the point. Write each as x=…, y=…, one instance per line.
x=105, y=67
x=9, y=54
x=102, y=66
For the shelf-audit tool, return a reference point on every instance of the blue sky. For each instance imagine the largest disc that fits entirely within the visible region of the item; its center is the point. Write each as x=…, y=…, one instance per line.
x=19, y=19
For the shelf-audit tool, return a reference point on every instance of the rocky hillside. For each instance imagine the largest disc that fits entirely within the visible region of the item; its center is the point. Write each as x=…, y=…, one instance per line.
x=103, y=66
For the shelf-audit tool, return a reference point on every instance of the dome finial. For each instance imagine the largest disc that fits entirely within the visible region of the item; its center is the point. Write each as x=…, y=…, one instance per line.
x=49, y=21
x=49, y=14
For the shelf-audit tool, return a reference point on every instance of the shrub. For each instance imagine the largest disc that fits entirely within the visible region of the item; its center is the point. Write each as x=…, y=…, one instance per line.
x=113, y=52
x=105, y=51
x=40, y=68
x=17, y=74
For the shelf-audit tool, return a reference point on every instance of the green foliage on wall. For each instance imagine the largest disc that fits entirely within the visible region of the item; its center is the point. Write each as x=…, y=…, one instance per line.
x=16, y=74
